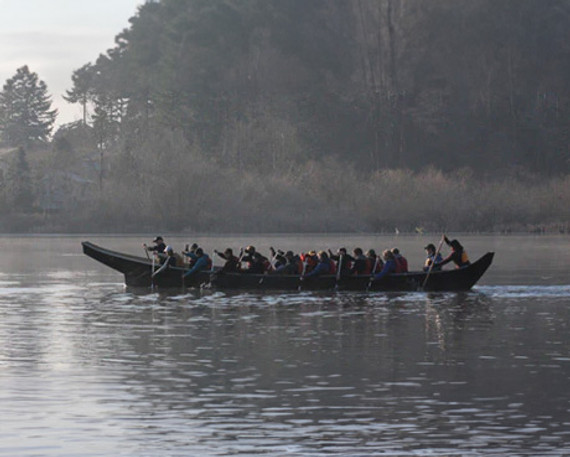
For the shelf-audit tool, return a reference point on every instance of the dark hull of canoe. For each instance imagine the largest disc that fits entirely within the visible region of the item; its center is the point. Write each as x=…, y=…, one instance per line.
x=448, y=280
x=138, y=270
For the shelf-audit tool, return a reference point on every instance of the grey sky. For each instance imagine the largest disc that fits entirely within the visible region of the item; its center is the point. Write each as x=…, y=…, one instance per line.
x=55, y=37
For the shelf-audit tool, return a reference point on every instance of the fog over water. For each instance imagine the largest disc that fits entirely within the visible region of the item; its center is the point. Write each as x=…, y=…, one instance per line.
x=88, y=368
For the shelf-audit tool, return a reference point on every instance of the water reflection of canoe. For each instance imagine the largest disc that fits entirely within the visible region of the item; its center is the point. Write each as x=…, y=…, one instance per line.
x=137, y=271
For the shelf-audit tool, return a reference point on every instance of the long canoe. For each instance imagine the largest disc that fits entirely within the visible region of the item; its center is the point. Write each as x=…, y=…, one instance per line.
x=138, y=273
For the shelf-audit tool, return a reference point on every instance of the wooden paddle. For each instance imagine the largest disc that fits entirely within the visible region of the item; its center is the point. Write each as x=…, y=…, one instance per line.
x=433, y=261
x=338, y=270
x=373, y=272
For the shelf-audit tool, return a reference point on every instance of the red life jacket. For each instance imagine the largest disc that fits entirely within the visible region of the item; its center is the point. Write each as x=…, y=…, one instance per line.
x=401, y=264
x=310, y=261
x=376, y=265
x=332, y=269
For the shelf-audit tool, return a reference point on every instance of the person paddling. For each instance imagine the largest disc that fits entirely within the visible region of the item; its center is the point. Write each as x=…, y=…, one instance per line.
x=401, y=261
x=432, y=258
x=360, y=265
x=159, y=246
x=324, y=267
x=389, y=265
x=293, y=265
x=203, y=262
x=232, y=262
x=343, y=262
x=169, y=262
x=374, y=261
x=255, y=262
x=458, y=255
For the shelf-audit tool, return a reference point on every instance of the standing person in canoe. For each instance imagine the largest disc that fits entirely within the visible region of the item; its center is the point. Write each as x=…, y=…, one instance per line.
x=458, y=255
x=389, y=265
x=232, y=262
x=203, y=262
x=158, y=248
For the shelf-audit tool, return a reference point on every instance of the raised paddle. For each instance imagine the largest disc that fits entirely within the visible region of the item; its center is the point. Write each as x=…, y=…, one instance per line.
x=433, y=261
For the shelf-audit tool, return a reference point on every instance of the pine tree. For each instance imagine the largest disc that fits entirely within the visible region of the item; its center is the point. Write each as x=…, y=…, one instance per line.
x=82, y=91
x=26, y=116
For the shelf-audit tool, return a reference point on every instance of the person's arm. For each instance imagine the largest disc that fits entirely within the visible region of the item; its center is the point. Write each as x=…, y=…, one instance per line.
x=320, y=269
x=201, y=263
x=163, y=267
x=191, y=255
x=445, y=261
x=221, y=255
x=389, y=267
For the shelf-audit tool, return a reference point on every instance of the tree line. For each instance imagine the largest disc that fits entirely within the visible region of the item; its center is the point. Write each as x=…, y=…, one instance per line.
x=260, y=109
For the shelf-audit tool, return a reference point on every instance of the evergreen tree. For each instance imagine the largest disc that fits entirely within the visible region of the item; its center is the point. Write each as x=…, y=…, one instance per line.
x=26, y=116
x=82, y=91
x=18, y=183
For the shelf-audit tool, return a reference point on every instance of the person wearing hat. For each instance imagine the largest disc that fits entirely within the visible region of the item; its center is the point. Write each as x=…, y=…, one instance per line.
x=458, y=255
x=159, y=246
x=432, y=258
x=232, y=262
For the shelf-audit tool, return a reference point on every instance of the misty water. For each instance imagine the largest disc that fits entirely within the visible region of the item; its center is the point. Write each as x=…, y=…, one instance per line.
x=88, y=368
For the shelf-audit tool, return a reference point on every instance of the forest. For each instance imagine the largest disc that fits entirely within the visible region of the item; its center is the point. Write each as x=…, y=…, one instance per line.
x=302, y=116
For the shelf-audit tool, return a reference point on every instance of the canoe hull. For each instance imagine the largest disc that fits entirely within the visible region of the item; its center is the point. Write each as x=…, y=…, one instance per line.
x=460, y=279
x=138, y=273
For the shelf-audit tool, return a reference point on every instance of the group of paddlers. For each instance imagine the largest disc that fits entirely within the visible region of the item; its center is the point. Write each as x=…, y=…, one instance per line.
x=307, y=265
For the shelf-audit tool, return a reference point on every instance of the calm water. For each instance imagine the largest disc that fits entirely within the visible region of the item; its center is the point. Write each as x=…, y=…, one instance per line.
x=90, y=369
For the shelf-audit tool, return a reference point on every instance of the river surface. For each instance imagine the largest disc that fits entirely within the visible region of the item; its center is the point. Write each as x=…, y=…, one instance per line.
x=88, y=368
